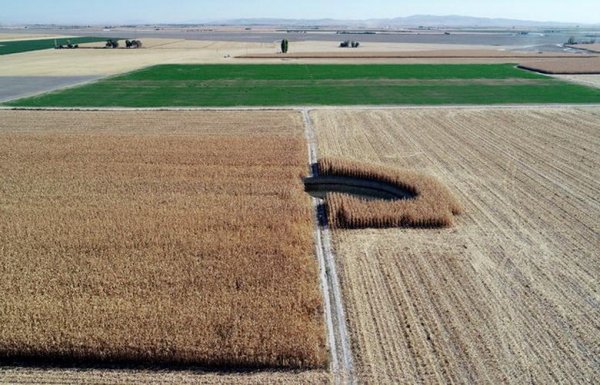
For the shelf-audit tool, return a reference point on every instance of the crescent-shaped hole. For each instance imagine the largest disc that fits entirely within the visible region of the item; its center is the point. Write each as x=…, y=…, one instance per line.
x=320, y=186
x=388, y=197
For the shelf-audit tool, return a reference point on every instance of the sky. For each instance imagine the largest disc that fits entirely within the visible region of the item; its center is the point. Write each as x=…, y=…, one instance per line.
x=97, y=12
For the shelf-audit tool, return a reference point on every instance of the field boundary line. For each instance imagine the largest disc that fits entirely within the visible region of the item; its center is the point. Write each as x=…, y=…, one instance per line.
x=337, y=330
x=316, y=108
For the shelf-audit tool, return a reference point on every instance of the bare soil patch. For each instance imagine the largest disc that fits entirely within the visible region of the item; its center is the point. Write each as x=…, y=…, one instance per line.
x=587, y=47
x=175, y=238
x=508, y=295
x=580, y=65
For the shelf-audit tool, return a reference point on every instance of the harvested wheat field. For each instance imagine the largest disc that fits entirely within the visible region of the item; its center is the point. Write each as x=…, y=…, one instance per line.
x=511, y=293
x=157, y=238
x=98, y=62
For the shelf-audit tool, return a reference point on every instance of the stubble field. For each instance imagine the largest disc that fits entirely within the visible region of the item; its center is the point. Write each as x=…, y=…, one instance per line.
x=166, y=238
x=509, y=295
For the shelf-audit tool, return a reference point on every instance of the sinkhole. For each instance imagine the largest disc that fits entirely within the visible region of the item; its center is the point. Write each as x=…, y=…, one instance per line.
x=320, y=186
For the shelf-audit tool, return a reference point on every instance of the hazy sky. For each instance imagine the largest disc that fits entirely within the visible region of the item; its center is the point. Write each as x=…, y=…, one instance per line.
x=181, y=11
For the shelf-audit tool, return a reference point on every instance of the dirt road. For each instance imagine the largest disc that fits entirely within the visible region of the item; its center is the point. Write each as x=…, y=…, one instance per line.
x=342, y=366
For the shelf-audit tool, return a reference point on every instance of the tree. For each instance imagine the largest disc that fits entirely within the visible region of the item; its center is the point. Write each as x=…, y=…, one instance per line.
x=284, y=45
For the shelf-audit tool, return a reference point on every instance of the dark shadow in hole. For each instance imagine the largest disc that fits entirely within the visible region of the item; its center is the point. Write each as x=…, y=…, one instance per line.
x=320, y=186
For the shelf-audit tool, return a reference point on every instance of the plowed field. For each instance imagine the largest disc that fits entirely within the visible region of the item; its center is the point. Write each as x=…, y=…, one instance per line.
x=509, y=295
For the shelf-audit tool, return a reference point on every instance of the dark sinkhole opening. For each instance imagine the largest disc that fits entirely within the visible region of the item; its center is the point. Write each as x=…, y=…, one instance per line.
x=320, y=186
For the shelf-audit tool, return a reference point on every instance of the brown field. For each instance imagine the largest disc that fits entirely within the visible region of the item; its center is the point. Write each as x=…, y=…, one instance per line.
x=157, y=238
x=338, y=53
x=581, y=65
x=432, y=206
x=587, y=47
x=511, y=293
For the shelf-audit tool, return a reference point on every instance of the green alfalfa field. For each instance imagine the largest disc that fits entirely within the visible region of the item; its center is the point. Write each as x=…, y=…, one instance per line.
x=298, y=84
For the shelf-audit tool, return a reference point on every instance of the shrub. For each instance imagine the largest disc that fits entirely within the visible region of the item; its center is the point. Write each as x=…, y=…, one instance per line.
x=284, y=46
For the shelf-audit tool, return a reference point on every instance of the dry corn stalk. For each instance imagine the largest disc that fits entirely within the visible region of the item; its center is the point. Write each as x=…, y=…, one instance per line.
x=433, y=204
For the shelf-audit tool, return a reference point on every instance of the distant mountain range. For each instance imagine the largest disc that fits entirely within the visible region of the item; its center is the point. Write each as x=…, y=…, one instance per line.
x=399, y=22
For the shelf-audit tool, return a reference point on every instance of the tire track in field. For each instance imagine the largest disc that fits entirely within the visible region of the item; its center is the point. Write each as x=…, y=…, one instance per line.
x=339, y=342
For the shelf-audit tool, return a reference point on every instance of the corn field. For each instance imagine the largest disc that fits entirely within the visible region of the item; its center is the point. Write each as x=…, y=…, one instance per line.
x=157, y=238
x=433, y=204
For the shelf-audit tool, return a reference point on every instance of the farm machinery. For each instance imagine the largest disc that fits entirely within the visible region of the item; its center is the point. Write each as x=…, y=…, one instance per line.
x=133, y=43
x=69, y=45
x=349, y=44
x=112, y=43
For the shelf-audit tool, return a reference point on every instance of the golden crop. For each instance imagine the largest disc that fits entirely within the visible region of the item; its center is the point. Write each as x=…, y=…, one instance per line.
x=157, y=238
x=432, y=206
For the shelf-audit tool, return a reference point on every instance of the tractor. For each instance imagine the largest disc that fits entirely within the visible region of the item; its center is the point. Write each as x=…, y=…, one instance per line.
x=349, y=44
x=111, y=43
x=133, y=43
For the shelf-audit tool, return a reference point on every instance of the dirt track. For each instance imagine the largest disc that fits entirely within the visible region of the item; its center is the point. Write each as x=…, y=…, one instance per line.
x=510, y=295
x=341, y=361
